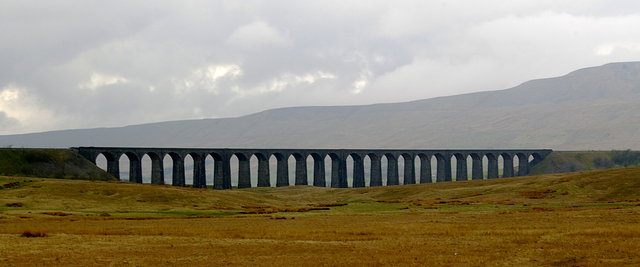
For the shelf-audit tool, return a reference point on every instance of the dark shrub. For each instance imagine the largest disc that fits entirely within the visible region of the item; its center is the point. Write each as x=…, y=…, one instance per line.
x=33, y=234
x=602, y=163
x=14, y=204
x=626, y=158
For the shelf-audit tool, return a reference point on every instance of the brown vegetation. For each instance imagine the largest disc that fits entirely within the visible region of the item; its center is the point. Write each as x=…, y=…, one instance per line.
x=505, y=222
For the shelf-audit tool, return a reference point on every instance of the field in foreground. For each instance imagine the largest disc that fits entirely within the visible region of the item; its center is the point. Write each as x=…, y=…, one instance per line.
x=590, y=218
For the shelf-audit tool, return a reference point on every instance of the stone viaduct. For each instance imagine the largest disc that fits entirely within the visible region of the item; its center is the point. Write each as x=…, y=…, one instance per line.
x=222, y=164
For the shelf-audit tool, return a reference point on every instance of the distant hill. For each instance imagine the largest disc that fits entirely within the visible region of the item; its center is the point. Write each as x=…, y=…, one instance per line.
x=592, y=108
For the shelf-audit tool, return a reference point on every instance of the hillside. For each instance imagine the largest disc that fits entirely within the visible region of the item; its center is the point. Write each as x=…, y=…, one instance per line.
x=592, y=108
x=52, y=163
x=574, y=161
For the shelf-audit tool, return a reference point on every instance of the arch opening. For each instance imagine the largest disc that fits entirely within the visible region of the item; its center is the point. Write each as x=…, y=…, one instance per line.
x=253, y=170
x=101, y=161
x=167, y=162
x=146, y=169
x=273, y=167
x=130, y=168
x=366, y=163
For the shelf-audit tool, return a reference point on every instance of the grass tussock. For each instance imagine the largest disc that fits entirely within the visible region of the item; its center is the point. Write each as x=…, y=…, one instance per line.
x=33, y=234
x=56, y=213
x=329, y=204
x=538, y=194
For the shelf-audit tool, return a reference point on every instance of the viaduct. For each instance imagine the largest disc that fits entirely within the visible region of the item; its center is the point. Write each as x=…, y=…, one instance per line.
x=222, y=164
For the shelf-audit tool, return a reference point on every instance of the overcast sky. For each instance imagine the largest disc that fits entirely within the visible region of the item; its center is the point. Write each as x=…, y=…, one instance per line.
x=79, y=64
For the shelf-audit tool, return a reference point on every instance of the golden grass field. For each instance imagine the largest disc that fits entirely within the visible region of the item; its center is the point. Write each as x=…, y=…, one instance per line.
x=574, y=219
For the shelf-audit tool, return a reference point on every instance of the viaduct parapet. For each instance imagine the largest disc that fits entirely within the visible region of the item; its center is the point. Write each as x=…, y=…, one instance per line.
x=525, y=158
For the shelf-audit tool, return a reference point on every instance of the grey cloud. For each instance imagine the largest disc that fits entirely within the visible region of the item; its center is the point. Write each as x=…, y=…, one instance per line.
x=148, y=60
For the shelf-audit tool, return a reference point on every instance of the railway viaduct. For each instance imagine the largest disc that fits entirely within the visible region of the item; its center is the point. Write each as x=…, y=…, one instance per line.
x=222, y=164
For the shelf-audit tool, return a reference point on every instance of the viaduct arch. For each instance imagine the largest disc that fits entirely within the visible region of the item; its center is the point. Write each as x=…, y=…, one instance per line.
x=338, y=157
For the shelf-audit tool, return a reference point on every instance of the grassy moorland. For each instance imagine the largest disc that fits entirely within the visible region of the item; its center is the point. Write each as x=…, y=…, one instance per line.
x=583, y=219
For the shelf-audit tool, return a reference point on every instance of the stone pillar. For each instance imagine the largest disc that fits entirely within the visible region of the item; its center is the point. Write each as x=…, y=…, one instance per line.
x=425, y=170
x=244, y=172
x=135, y=170
x=461, y=168
x=492, y=168
x=319, y=176
x=301, y=171
x=157, y=171
x=343, y=173
x=409, y=170
x=113, y=167
x=476, y=168
x=376, y=171
x=358, y=172
x=199, y=177
x=507, y=168
x=392, y=171
x=282, y=178
x=264, y=179
x=226, y=172
x=178, y=171
x=338, y=172
x=218, y=173
x=523, y=162
x=444, y=169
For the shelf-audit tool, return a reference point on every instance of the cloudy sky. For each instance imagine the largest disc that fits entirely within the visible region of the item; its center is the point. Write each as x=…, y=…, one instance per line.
x=79, y=64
